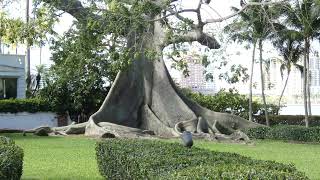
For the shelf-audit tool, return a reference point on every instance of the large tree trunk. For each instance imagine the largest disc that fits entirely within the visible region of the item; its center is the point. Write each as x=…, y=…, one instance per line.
x=250, y=83
x=145, y=97
x=262, y=85
x=144, y=100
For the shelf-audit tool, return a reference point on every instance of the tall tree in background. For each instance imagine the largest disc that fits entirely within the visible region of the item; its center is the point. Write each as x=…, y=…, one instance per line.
x=254, y=26
x=305, y=18
x=241, y=30
x=27, y=61
x=289, y=44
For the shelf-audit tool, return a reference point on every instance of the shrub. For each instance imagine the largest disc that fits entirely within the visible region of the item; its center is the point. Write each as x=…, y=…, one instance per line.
x=24, y=105
x=11, y=161
x=288, y=120
x=295, y=133
x=291, y=133
x=6, y=141
x=228, y=101
x=147, y=159
x=258, y=132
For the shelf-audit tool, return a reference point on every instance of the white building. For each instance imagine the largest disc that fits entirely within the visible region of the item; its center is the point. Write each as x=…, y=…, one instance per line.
x=275, y=81
x=314, y=65
x=12, y=76
x=197, y=79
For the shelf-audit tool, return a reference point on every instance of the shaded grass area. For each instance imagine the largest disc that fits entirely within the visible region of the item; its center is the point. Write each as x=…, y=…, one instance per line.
x=306, y=157
x=74, y=157
x=57, y=157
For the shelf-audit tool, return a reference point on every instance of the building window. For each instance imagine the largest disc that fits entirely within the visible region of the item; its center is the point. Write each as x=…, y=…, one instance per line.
x=8, y=88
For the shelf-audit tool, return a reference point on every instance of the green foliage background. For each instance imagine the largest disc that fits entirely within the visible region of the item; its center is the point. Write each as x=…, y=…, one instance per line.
x=229, y=101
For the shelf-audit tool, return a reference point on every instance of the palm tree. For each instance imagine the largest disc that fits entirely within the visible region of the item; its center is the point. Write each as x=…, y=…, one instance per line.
x=240, y=30
x=288, y=43
x=304, y=17
x=254, y=26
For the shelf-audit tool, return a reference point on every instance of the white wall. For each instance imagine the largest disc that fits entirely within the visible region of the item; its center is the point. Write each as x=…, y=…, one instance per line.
x=26, y=120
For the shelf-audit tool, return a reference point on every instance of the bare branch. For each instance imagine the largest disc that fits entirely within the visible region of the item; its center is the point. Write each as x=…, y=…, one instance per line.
x=173, y=13
x=241, y=10
x=199, y=14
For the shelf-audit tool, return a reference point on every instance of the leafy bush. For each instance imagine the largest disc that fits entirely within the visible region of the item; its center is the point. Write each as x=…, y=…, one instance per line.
x=24, y=105
x=11, y=160
x=147, y=159
x=258, y=132
x=228, y=101
x=6, y=141
x=288, y=120
x=295, y=133
x=291, y=133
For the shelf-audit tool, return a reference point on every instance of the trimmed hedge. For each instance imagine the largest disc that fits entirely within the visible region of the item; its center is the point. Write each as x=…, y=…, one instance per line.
x=151, y=159
x=288, y=120
x=290, y=133
x=230, y=171
x=24, y=105
x=6, y=141
x=11, y=160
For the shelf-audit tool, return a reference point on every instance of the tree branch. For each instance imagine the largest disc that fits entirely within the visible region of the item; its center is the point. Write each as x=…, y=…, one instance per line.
x=173, y=13
x=195, y=35
x=73, y=7
x=241, y=10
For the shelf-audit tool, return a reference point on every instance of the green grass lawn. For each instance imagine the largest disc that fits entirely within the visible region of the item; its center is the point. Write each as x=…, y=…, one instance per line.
x=58, y=157
x=74, y=157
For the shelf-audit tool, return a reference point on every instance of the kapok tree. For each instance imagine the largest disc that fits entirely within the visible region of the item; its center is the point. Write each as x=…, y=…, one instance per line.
x=143, y=98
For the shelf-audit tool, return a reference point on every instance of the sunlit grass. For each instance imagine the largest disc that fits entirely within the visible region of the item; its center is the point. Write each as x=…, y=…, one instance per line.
x=58, y=157
x=74, y=157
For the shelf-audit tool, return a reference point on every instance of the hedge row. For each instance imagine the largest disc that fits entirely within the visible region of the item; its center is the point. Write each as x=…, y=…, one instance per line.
x=290, y=133
x=230, y=102
x=288, y=120
x=11, y=160
x=150, y=159
x=24, y=105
